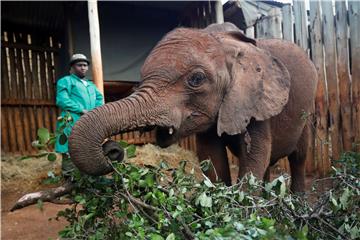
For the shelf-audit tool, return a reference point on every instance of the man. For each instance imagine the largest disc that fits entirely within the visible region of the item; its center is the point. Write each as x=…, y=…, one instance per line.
x=75, y=95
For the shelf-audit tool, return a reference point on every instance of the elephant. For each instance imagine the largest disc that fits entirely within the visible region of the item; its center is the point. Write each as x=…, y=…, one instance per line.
x=232, y=91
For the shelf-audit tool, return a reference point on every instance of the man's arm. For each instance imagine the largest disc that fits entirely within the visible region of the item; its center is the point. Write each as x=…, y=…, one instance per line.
x=63, y=100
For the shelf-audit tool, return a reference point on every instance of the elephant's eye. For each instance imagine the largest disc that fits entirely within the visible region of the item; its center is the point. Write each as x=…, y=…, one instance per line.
x=196, y=79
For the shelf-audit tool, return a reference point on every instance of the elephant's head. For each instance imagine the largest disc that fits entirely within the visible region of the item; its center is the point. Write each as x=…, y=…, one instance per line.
x=192, y=80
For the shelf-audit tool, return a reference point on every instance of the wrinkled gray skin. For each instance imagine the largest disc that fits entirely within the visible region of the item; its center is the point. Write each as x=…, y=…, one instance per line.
x=231, y=91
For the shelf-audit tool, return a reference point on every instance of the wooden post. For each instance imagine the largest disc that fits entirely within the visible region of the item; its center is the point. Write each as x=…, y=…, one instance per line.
x=96, y=61
x=343, y=72
x=270, y=26
x=219, y=12
x=301, y=31
x=354, y=17
x=250, y=32
x=69, y=37
x=288, y=32
x=331, y=76
x=321, y=107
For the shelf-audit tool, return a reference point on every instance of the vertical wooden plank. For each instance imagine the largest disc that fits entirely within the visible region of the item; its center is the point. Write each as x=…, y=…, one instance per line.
x=321, y=107
x=50, y=76
x=260, y=31
x=35, y=77
x=288, y=32
x=43, y=79
x=13, y=76
x=354, y=19
x=4, y=130
x=301, y=31
x=32, y=121
x=26, y=129
x=47, y=119
x=331, y=76
x=45, y=86
x=250, y=32
x=19, y=66
x=269, y=26
x=19, y=129
x=29, y=82
x=53, y=115
x=343, y=72
x=275, y=23
x=20, y=118
x=27, y=111
x=12, y=130
x=5, y=90
x=39, y=117
x=27, y=64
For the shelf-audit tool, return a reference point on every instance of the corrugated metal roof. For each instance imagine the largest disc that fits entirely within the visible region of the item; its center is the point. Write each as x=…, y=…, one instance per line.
x=45, y=16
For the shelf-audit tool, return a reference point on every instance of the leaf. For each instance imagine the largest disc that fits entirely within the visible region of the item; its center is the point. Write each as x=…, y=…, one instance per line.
x=204, y=200
x=241, y=196
x=282, y=189
x=252, y=180
x=63, y=139
x=123, y=144
x=51, y=174
x=205, y=165
x=37, y=144
x=129, y=234
x=33, y=156
x=51, y=157
x=355, y=233
x=149, y=179
x=164, y=165
x=344, y=198
x=155, y=236
x=227, y=218
x=171, y=236
x=130, y=151
x=43, y=135
x=207, y=182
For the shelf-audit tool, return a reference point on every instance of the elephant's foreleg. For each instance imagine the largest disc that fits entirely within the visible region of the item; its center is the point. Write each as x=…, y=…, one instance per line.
x=210, y=146
x=255, y=150
x=297, y=162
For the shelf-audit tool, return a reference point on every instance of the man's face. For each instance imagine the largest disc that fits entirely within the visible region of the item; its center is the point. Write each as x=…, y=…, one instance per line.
x=80, y=69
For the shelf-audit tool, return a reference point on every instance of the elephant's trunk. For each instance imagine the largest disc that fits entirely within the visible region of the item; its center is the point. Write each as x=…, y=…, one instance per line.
x=89, y=133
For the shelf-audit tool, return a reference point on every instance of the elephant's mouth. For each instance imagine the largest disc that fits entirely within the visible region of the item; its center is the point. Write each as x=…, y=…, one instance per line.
x=166, y=136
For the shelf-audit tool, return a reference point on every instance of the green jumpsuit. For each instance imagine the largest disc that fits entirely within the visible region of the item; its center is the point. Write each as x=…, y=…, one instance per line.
x=73, y=96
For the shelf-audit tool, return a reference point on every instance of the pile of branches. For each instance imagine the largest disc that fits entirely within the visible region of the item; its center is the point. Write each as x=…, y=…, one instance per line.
x=167, y=203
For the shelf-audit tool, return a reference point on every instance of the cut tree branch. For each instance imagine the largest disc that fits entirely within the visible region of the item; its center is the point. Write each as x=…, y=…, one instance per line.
x=49, y=195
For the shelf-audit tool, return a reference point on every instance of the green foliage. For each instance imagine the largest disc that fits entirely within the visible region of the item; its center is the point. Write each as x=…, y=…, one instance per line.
x=161, y=203
x=130, y=149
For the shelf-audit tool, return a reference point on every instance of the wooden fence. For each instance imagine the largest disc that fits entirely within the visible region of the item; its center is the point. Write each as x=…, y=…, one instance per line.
x=332, y=40
x=27, y=88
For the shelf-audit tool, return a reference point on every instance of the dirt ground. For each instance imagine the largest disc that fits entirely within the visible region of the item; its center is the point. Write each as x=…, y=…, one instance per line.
x=17, y=179
x=29, y=223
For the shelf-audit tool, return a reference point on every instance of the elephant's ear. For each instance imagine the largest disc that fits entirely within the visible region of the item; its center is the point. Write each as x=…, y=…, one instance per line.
x=259, y=86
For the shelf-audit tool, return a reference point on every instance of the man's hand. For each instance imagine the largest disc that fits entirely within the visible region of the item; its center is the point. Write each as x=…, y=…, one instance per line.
x=84, y=111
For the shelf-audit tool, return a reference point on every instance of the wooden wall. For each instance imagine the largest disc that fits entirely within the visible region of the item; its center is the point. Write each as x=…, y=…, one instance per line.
x=27, y=88
x=330, y=36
